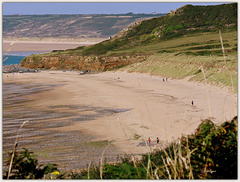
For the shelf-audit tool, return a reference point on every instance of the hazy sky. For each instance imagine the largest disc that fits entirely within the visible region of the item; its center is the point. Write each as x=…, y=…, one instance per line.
x=9, y=8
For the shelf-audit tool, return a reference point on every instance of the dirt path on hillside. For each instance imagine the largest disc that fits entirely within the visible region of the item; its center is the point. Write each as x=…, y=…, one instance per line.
x=141, y=106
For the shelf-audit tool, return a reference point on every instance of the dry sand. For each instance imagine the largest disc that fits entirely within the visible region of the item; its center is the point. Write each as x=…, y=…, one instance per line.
x=157, y=108
x=29, y=46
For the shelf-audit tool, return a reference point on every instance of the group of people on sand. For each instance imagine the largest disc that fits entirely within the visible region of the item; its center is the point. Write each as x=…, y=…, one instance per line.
x=165, y=79
x=149, y=141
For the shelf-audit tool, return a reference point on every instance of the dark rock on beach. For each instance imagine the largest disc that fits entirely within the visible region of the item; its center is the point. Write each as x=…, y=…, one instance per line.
x=83, y=72
x=16, y=68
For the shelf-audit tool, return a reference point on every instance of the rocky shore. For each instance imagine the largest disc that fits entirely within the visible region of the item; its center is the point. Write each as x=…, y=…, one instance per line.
x=16, y=68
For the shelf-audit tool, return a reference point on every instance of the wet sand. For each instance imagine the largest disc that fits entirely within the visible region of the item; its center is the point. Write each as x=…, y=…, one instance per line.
x=114, y=111
x=71, y=150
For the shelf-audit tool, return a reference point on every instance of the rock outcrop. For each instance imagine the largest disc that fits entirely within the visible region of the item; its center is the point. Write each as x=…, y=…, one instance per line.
x=78, y=62
x=16, y=68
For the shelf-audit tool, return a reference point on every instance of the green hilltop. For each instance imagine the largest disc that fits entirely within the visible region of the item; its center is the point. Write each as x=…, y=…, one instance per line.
x=184, y=21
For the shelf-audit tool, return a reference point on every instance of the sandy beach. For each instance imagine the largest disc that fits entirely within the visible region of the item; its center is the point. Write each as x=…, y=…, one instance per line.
x=44, y=46
x=141, y=105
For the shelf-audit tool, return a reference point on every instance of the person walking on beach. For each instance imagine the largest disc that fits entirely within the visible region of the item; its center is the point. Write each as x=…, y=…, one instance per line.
x=157, y=140
x=149, y=141
x=192, y=103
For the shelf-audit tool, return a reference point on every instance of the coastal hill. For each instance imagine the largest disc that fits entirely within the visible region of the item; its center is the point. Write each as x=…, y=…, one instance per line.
x=69, y=26
x=184, y=21
x=178, y=45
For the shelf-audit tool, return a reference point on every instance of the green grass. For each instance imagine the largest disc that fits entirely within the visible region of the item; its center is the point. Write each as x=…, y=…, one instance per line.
x=188, y=21
x=182, y=66
x=188, y=44
x=184, y=44
x=136, y=136
x=170, y=59
x=98, y=144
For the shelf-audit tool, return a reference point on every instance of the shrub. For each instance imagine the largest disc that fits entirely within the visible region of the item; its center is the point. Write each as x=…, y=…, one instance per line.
x=216, y=154
x=123, y=171
x=25, y=166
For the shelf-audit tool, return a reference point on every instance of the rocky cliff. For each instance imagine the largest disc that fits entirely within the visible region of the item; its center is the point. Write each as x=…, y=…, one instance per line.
x=78, y=62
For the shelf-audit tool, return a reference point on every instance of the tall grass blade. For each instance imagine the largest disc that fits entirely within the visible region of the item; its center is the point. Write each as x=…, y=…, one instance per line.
x=101, y=165
x=209, y=106
x=224, y=57
x=11, y=47
x=148, y=166
x=89, y=169
x=155, y=173
x=134, y=164
x=165, y=165
x=14, y=149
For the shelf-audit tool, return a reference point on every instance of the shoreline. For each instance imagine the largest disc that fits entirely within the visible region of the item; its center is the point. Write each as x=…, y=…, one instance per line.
x=53, y=39
x=42, y=45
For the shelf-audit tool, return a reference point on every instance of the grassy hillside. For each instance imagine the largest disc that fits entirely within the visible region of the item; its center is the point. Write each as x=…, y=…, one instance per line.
x=190, y=56
x=184, y=43
x=69, y=26
x=184, y=21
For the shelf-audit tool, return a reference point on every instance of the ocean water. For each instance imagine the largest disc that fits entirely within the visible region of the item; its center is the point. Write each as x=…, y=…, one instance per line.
x=10, y=59
x=15, y=57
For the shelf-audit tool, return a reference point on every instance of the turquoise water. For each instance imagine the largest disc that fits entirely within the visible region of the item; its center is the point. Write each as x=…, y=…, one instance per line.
x=16, y=56
x=12, y=59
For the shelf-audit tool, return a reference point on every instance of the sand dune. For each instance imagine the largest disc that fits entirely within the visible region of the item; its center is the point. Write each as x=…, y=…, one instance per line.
x=150, y=107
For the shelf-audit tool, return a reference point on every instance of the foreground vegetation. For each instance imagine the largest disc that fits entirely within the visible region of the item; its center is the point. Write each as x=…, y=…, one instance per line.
x=209, y=153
